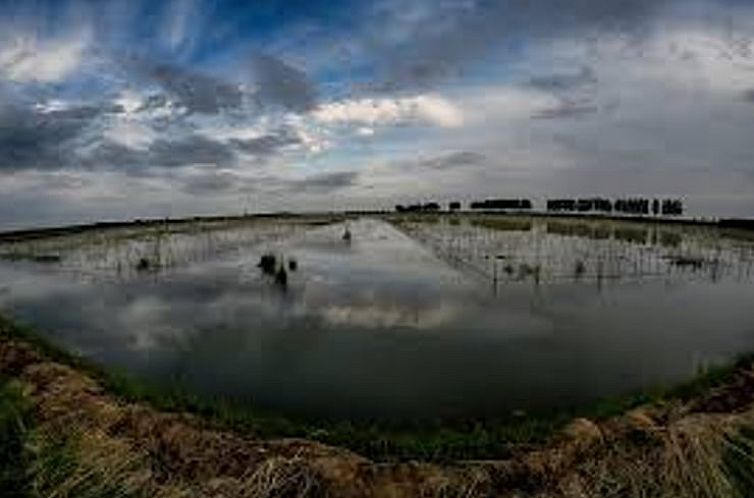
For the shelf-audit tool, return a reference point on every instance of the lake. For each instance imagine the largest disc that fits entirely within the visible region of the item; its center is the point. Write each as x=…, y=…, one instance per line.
x=412, y=318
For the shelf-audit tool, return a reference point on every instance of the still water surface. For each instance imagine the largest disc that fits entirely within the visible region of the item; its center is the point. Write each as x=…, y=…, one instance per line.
x=454, y=318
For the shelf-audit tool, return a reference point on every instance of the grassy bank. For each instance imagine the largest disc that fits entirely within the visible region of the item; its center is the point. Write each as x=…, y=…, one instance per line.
x=14, y=420
x=383, y=441
x=38, y=461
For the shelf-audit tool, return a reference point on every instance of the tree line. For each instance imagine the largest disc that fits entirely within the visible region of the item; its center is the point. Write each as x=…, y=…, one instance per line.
x=632, y=205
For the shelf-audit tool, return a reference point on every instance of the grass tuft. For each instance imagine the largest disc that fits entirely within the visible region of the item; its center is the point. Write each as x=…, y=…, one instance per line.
x=14, y=420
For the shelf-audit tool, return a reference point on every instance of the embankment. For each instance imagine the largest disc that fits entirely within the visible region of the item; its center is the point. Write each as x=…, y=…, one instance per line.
x=79, y=439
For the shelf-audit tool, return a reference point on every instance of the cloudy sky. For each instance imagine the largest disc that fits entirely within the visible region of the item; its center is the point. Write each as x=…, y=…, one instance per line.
x=122, y=109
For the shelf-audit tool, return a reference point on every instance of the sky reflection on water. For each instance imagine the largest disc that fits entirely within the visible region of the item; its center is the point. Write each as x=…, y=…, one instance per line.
x=418, y=320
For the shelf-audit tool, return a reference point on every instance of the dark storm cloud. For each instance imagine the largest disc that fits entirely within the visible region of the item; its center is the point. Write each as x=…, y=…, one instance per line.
x=281, y=84
x=567, y=109
x=323, y=183
x=156, y=101
x=212, y=183
x=565, y=81
x=454, y=159
x=194, y=149
x=112, y=154
x=224, y=182
x=575, y=92
x=84, y=112
x=191, y=150
x=451, y=37
x=266, y=145
x=32, y=139
x=197, y=92
x=185, y=151
x=62, y=181
x=440, y=162
x=163, y=153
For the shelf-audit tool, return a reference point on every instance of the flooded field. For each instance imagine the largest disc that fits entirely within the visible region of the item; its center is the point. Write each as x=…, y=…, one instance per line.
x=409, y=318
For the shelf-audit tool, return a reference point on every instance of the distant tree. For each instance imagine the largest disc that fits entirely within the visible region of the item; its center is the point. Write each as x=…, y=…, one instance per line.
x=584, y=205
x=635, y=205
x=603, y=205
x=502, y=204
x=454, y=206
x=561, y=205
x=672, y=207
x=412, y=208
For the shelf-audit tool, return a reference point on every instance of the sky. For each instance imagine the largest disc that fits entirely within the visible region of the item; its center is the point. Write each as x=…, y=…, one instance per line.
x=113, y=110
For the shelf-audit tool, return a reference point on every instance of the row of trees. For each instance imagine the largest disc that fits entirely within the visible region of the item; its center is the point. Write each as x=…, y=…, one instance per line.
x=505, y=204
x=580, y=205
x=633, y=206
x=487, y=204
x=428, y=207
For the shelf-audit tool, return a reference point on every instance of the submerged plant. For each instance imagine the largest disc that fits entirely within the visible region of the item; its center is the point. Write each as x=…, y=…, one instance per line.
x=267, y=263
x=579, y=268
x=281, y=277
x=275, y=267
x=687, y=262
x=144, y=264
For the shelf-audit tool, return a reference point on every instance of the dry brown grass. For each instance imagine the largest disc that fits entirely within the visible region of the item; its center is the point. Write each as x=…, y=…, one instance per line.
x=276, y=477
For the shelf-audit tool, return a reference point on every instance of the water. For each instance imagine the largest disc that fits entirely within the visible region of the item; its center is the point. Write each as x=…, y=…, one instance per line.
x=474, y=318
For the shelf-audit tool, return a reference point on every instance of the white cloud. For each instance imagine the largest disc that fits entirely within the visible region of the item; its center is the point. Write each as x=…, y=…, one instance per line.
x=52, y=105
x=504, y=103
x=130, y=133
x=313, y=142
x=365, y=131
x=181, y=17
x=130, y=101
x=27, y=59
x=421, y=109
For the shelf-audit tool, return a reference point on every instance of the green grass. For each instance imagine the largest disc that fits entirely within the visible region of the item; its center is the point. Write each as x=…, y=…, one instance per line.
x=68, y=465
x=385, y=441
x=14, y=423
x=738, y=461
x=39, y=462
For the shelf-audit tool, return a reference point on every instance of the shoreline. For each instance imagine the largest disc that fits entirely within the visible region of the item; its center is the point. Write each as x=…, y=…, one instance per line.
x=29, y=234
x=61, y=388
x=381, y=439
x=435, y=440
